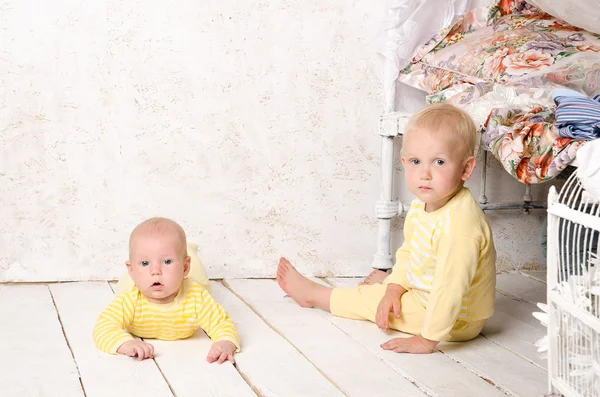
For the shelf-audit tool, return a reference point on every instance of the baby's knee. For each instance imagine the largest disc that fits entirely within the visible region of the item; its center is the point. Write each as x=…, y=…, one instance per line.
x=464, y=331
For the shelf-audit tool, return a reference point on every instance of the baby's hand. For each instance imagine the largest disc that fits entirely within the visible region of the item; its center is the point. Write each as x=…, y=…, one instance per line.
x=415, y=344
x=221, y=351
x=137, y=348
x=389, y=303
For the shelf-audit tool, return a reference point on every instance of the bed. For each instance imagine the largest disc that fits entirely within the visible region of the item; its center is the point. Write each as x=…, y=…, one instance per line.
x=501, y=61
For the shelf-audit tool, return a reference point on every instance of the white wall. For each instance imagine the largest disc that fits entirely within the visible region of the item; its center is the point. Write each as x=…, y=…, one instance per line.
x=252, y=123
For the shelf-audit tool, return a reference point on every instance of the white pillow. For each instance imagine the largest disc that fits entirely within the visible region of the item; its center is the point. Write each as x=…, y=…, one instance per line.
x=581, y=13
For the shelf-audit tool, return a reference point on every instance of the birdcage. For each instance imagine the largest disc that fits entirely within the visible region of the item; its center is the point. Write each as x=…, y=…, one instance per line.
x=573, y=291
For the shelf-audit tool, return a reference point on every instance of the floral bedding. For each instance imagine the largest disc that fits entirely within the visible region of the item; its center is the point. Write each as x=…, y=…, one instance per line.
x=511, y=46
x=527, y=143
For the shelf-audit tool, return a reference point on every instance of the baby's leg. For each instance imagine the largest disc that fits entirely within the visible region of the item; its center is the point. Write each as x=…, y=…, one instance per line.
x=305, y=292
x=360, y=303
x=375, y=277
x=197, y=270
x=357, y=303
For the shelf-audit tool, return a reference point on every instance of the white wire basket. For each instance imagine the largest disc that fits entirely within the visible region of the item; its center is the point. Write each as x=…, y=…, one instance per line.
x=573, y=291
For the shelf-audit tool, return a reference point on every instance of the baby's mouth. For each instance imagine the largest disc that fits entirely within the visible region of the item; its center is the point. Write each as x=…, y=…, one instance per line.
x=156, y=285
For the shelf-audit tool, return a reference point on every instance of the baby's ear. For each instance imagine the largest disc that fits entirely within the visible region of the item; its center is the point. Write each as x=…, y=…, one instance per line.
x=129, y=270
x=186, y=265
x=469, y=167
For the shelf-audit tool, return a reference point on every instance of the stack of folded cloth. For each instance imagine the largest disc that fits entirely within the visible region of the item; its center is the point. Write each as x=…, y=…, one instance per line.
x=577, y=116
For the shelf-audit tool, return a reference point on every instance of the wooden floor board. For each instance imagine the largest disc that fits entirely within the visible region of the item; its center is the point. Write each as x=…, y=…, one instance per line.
x=103, y=375
x=539, y=275
x=515, y=335
x=524, y=288
x=36, y=360
x=519, y=309
x=336, y=354
x=183, y=363
x=270, y=364
x=506, y=370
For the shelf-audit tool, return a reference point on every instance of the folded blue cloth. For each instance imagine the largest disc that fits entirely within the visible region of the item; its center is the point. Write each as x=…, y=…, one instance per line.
x=577, y=116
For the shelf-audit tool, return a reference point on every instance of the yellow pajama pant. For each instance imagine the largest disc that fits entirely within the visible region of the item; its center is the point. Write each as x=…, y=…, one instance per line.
x=360, y=303
x=197, y=272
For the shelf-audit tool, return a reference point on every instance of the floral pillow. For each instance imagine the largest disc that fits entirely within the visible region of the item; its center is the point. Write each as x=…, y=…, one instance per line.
x=473, y=20
x=527, y=48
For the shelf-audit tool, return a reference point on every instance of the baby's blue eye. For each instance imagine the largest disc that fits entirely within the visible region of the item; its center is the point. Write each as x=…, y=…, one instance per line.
x=168, y=261
x=144, y=263
x=414, y=162
x=440, y=162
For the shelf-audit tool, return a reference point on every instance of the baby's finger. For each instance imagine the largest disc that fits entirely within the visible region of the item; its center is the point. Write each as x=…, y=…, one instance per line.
x=396, y=307
x=222, y=357
x=147, y=351
x=392, y=344
x=211, y=356
x=151, y=349
x=378, y=318
x=384, y=314
x=139, y=352
x=230, y=358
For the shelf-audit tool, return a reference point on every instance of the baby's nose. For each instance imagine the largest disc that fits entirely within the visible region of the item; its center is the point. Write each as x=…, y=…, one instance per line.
x=426, y=174
x=155, y=269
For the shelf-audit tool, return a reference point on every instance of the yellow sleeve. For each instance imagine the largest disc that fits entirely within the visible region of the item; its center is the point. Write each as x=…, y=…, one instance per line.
x=399, y=273
x=109, y=332
x=215, y=321
x=457, y=261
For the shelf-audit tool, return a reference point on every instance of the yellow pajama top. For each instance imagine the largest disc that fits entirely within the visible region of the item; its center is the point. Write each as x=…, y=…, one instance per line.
x=448, y=261
x=131, y=313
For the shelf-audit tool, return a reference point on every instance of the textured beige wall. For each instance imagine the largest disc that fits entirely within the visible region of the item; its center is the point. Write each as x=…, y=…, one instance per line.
x=252, y=123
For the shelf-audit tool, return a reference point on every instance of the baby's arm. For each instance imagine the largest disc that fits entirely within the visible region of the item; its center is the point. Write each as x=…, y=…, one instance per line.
x=215, y=321
x=109, y=332
x=457, y=261
x=399, y=273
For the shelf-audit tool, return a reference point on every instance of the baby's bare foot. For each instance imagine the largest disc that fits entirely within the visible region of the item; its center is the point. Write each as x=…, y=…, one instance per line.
x=298, y=287
x=375, y=277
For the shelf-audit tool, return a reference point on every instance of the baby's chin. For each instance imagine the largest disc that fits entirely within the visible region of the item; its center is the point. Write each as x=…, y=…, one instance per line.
x=159, y=295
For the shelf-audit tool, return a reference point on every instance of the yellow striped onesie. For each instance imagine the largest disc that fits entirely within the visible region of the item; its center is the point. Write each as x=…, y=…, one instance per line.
x=131, y=313
x=447, y=264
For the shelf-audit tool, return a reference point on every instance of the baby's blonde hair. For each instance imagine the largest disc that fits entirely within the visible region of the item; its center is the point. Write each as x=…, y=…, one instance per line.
x=448, y=119
x=159, y=225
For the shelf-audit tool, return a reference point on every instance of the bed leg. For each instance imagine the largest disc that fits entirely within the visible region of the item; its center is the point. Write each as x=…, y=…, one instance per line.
x=482, y=197
x=386, y=208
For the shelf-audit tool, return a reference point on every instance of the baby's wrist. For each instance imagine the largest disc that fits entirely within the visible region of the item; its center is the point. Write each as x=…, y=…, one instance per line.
x=395, y=289
x=227, y=342
x=428, y=343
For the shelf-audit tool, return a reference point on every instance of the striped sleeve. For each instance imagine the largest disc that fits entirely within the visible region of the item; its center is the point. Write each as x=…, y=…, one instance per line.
x=109, y=332
x=399, y=273
x=214, y=320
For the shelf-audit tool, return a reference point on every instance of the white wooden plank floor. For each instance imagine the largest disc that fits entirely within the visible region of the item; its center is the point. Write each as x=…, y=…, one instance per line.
x=47, y=349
